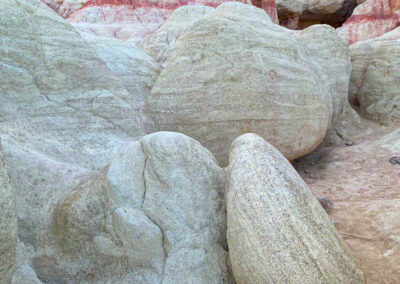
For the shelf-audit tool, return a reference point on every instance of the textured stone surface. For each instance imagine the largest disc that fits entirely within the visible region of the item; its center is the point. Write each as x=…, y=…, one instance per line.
x=371, y=19
x=157, y=43
x=134, y=20
x=375, y=79
x=135, y=69
x=363, y=186
x=228, y=74
x=156, y=213
x=63, y=111
x=8, y=224
x=277, y=230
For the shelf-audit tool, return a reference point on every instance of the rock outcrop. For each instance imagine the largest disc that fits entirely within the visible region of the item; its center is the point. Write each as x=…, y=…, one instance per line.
x=371, y=19
x=8, y=224
x=134, y=20
x=228, y=74
x=277, y=230
x=156, y=213
x=63, y=110
x=375, y=79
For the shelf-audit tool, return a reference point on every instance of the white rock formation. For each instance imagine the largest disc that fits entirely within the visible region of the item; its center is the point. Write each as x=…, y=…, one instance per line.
x=136, y=70
x=8, y=224
x=156, y=213
x=229, y=74
x=277, y=230
x=182, y=18
x=375, y=79
x=63, y=110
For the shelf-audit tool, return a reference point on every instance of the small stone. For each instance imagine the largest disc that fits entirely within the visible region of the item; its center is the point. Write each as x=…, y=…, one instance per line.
x=395, y=160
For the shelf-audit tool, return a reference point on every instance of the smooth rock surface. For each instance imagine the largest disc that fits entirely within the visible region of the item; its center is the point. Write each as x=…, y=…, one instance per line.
x=8, y=224
x=228, y=74
x=155, y=214
x=375, y=80
x=277, y=230
x=157, y=43
x=371, y=19
x=135, y=69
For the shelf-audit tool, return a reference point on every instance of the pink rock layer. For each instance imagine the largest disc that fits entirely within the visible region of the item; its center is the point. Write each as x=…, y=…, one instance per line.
x=135, y=19
x=371, y=19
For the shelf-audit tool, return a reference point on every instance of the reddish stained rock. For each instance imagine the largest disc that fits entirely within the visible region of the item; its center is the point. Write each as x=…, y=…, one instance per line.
x=64, y=7
x=371, y=19
x=364, y=188
x=135, y=19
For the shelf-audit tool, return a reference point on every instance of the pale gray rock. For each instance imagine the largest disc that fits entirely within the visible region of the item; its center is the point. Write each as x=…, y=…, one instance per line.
x=66, y=107
x=375, y=80
x=229, y=74
x=140, y=236
x=8, y=224
x=157, y=43
x=322, y=41
x=155, y=214
x=136, y=70
x=277, y=230
x=25, y=274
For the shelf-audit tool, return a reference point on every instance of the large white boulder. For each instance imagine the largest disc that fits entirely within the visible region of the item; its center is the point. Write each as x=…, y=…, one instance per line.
x=375, y=80
x=229, y=74
x=277, y=230
x=155, y=214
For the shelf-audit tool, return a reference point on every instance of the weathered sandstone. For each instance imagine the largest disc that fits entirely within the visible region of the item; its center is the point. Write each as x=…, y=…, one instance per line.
x=375, y=79
x=228, y=74
x=371, y=19
x=277, y=230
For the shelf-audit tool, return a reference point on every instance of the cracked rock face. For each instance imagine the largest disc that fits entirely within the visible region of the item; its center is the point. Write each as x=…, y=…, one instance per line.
x=228, y=74
x=8, y=224
x=277, y=230
x=156, y=213
x=66, y=106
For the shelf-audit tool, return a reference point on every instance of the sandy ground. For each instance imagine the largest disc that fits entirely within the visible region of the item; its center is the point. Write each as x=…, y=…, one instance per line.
x=364, y=187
